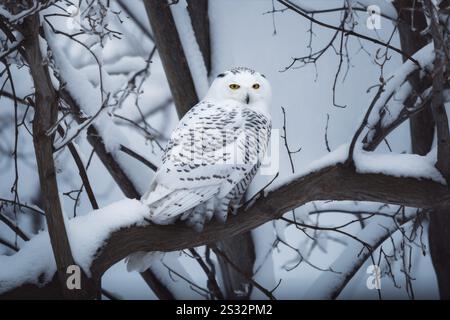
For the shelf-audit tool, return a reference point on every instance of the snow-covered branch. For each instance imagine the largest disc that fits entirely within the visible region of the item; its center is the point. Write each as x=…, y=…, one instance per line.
x=390, y=110
x=108, y=235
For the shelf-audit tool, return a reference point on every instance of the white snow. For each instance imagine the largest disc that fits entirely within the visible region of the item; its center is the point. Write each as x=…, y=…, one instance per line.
x=88, y=97
x=386, y=7
x=86, y=234
x=395, y=104
x=191, y=48
x=126, y=64
x=17, y=18
x=399, y=165
x=392, y=164
x=395, y=83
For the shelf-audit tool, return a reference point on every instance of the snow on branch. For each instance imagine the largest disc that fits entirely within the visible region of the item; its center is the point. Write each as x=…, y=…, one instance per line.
x=35, y=264
x=107, y=138
x=390, y=106
x=108, y=235
x=90, y=99
x=18, y=17
x=397, y=165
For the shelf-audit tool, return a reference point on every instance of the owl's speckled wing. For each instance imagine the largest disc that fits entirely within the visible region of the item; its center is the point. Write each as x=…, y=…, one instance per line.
x=211, y=158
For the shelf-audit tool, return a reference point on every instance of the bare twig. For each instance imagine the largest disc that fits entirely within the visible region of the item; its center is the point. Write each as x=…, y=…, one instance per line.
x=268, y=293
x=286, y=144
x=301, y=12
x=350, y=162
x=212, y=282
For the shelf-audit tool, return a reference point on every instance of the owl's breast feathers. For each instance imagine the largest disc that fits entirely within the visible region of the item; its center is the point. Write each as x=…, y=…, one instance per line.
x=210, y=160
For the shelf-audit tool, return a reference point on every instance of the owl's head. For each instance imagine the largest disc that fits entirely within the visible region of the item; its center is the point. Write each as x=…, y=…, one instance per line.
x=243, y=85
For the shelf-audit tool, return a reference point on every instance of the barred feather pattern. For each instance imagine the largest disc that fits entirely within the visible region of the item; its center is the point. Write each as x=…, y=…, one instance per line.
x=213, y=155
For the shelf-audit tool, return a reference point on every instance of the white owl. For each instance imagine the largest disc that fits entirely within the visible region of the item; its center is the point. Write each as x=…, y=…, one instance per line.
x=212, y=155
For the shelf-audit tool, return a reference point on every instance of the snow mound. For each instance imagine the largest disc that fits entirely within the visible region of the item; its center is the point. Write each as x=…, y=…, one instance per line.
x=34, y=263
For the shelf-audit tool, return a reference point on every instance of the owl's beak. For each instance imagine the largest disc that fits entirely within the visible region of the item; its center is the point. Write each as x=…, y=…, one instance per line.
x=247, y=99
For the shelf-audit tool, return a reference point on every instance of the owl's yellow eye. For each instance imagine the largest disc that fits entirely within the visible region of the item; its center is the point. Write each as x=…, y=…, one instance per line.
x=256, y=86
x=234, y=86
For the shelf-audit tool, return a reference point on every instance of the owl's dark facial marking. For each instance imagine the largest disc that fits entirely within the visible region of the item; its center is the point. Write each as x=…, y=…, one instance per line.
x=242, y=69
x=221, y=75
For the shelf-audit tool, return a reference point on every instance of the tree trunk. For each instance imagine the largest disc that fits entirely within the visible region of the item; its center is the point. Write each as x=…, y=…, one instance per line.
x=241, y=250
x=439, y=235
x=439, y=239
x=45, y=116
x=421, y=124
x=422, y=134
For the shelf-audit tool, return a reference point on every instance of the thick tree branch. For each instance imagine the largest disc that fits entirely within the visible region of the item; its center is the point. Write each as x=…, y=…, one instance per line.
x=198, y=12
x=172, y=55
x=241, y=251
x=332, y=183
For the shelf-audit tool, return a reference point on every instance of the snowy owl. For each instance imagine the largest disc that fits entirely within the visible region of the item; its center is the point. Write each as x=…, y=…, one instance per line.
x=213, y=154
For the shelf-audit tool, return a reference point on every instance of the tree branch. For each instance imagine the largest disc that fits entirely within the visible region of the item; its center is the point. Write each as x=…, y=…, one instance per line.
x=172, y=55
x=45, y=116
x=412, y=40
x=198, y=12
x=332, y=183
x=347, y=32
x=439, y=226
x=330, y=284
x=122, y=180
x=437, y=102
x=81, y=170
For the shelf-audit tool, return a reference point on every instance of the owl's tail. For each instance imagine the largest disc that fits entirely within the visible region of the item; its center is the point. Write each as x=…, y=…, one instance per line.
x=166, y=206
x=141, y=261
